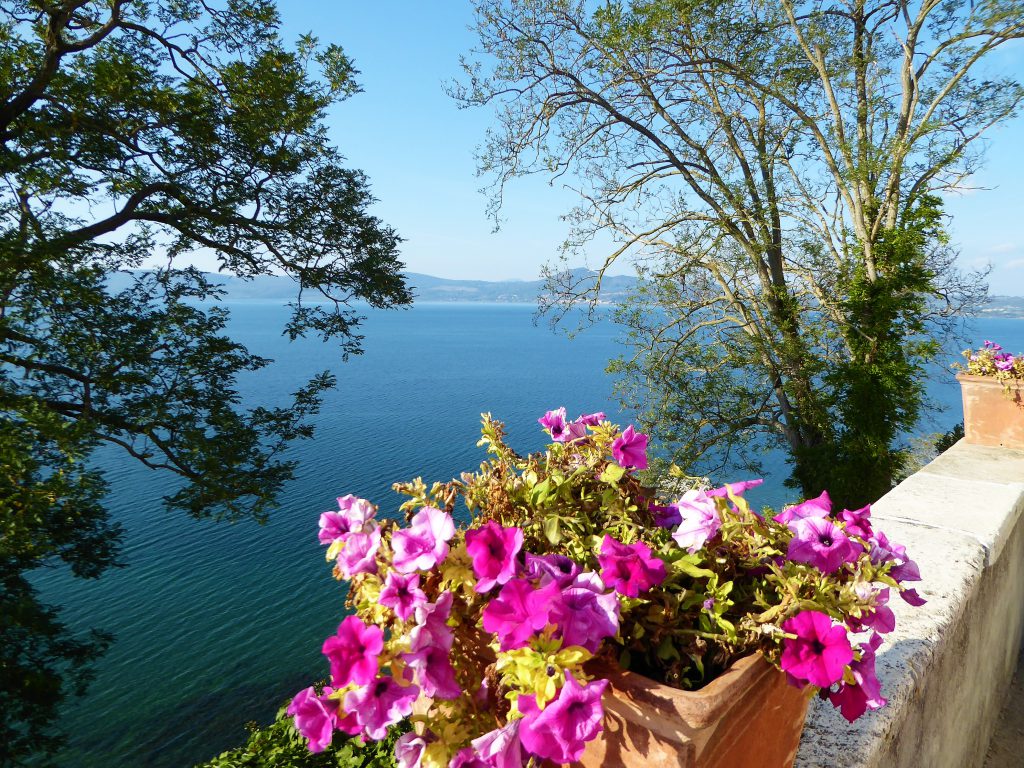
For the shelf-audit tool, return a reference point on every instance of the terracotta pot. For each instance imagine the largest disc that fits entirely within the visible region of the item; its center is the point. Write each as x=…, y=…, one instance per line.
x=992, y=416
x=750, y=717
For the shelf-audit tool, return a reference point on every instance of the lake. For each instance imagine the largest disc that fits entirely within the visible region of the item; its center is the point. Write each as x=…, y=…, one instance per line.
x=217, y=624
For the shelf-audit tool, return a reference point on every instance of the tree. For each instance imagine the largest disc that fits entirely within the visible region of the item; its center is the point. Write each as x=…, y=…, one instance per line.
x=134, y=130
x=775, y=169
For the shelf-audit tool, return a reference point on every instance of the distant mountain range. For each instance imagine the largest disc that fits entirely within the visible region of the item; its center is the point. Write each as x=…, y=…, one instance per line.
x=440, y=289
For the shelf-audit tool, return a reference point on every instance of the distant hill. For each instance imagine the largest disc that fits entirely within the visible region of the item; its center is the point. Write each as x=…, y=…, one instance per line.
x=1004, y=306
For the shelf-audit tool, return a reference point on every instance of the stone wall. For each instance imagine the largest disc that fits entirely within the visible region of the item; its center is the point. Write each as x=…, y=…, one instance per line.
x=948, y=666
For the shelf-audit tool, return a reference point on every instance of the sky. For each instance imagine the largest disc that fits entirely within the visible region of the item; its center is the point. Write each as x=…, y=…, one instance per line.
x=418, y=150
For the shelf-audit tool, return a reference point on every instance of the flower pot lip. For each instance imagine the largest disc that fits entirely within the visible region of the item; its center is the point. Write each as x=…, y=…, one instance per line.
x=970, y=378
x=699, y=708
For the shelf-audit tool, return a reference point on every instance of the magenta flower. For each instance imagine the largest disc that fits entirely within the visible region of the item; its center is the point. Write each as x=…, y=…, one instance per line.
x=353, y=514
x=409, y=750
x=381, y=703
x=353, y=652
x=424, y=543
x=586, y=614
x=333, y=525
x=432, y=628
x=434, y=672
x=629, y=568
x=561, y=730
x=857, y=522
x=518, y=611
x=665, y=517
x=554, y=422
x=698, y=520
x=315, y=717
x=820, y=652
x=493, y=550
x=818, y=507
x=359, y=553
x=630, y=448
x=911, y=597
x=591, y=419
x=468, y=758
x=992, y=345
x=402, y=594
x=819, y=542
x=737, y=489
x=501, y=748
x=547, y=568
x=1003, y=361
x=881, y=619
x=854, y=700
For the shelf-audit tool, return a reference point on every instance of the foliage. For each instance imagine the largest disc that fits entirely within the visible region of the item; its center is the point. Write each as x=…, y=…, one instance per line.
x=279, y=745
x=773, y=169
x=496, y=639
x=135, y=133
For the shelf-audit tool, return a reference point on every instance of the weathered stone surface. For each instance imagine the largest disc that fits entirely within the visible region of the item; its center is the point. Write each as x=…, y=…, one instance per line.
x=948, y=665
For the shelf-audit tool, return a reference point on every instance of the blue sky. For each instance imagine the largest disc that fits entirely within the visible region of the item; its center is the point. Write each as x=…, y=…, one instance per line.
x=417, y=148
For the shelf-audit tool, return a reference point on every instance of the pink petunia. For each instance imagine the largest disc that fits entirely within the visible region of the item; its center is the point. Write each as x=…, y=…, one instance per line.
x=354, y=514
x=857, y=522
x=315, y=717
x=380, y=704
x=630, y=448
x=817, y=507
x=501, y=748
x=432, y=624
x=519, y=610
x=665, y=517
x=555, y=423
x=468, y=758
x=493, y=549
x=591, y=419
x=853, y=700
x=561, y=730
x=359, y=553
x=698, y=520
x=353, y=652
x=819, y=542
x=552, y=567
x=737, y=489
x=586, y=614
x=402, y=594
x=424, y=544
x=434, y=672
x=820, y=652
x=409, y=750
x=629, y=569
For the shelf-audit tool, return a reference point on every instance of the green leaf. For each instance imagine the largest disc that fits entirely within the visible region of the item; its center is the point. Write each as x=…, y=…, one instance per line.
x=552, y=529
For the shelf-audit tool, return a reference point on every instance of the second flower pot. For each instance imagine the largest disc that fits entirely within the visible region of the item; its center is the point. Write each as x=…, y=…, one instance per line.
x=993, y=413
x=749, y=717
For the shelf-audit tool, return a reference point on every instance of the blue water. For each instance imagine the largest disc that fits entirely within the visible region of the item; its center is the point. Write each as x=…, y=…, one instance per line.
x=216, y=624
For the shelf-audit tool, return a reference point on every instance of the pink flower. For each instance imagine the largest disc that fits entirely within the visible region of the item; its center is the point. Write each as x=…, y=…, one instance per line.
x=518, y=611
x=820, y=652
x=432, y=624
x=665, y=517
x=554, y=422
x=467, y=758
x=854, y=700
x=359, y=553
x=423, y=544
x=818, y=542
x=353, y=652
x=592, y=419
x=857, y=522
x=409, y=750
x=402, y=594
x=698, y=520
x=381, y=703
x=881, y=619
x=737, y=489
x=547, y=568
x=911, y=597
x=818, y=507
x=501, y=748
x=630, y=448
x=561, y=730
x=434, y=672
x=493, y=550
x=315, y=717
x=629, y=568
x=353, y=515
x=586, y=614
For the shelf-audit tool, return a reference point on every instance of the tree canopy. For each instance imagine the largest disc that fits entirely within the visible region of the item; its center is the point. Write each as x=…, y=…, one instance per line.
x=134, y=133
x=775, y=169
